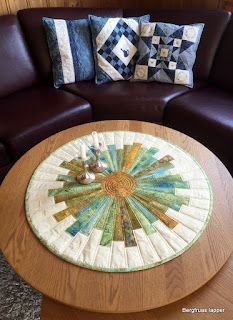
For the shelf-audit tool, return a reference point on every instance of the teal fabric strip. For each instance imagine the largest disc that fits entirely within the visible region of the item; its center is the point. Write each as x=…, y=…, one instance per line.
x=90, y=224
x=91, y=206
x=113, y=155
x=83, y=216
x=144, y=216
x=127, y=227
x=108, y=233
x=162, y=178
x=75, y=201
x=167, y=185
x=119, y=159
x=168, y=199
x=161, y=171
x=76, y=188
x=141, y=159
x=156, y=188
x=103, y=219
x=107, y=157
x=137, y=159
x=146, y=161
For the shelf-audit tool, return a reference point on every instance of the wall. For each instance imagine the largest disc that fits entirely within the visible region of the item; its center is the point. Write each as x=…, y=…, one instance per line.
x=228, y=5
x=11, y=6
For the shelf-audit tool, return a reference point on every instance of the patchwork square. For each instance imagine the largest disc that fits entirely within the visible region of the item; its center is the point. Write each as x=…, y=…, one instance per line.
x=152, y=62
x=164, y=52
x=167, y=52
x=147, y=29
x=115, y=45
x=155, y=39
x=70, y=49
x=172, y=65
x=141, y=72
x=177, y=42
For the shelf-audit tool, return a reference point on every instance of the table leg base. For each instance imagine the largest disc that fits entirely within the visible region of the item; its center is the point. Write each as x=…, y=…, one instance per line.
x=52, y=310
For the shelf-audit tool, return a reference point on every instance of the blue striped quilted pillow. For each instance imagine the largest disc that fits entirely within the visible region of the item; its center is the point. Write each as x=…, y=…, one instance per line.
x=70, y=49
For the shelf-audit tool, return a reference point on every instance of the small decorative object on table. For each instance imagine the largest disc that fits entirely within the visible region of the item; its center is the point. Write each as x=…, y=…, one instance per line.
x=99, y=165
x=86, y=176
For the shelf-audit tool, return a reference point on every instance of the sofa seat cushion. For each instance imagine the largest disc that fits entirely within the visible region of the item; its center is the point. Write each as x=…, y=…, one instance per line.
x=31, y=115
x=4, y=157
x=207, y=116
x=127, y=100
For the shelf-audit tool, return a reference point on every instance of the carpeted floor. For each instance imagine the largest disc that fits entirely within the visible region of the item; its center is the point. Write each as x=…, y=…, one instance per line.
x=18, y=301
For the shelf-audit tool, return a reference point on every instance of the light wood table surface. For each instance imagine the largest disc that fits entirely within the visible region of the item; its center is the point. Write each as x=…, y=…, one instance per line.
x=115, y=292
x=217, y=293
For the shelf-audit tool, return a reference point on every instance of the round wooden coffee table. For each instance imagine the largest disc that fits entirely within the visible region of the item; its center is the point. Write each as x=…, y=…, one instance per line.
x=115, y=292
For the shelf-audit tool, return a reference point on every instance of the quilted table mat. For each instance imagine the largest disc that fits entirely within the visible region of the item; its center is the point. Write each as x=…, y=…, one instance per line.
x=150, y=205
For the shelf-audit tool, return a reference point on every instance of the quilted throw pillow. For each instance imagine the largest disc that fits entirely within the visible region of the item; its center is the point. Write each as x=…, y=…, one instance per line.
x=115, y=42
x=167, y=52
x=70, y=49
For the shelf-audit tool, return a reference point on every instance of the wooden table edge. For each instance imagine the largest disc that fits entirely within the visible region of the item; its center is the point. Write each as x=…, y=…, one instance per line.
x=100, y=310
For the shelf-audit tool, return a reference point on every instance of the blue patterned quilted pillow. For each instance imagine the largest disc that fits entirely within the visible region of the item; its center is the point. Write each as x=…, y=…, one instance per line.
x=167, y=52
x=115, y=42
x=70, y=49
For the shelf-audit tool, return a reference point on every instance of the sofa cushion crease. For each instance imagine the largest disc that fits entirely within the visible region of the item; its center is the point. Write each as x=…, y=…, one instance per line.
x=128, y=100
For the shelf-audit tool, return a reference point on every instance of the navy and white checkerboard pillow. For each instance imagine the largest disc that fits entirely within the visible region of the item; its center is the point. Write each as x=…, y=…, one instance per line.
x=167, y=52
x=115, y=42
x=70, y=49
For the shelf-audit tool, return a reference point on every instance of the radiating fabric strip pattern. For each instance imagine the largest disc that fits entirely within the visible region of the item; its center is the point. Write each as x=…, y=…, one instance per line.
x=150, y=205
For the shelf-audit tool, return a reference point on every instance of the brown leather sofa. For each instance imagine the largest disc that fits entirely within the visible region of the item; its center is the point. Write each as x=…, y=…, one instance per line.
x=31, y=109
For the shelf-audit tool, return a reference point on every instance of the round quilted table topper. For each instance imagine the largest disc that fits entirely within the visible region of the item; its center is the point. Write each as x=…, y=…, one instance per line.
x=150, y=205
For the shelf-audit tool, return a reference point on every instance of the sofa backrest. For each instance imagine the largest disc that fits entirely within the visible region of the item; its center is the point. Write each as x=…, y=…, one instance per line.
x=215, y=22
x=222, y=71
x=30, y=20
x=16, y=68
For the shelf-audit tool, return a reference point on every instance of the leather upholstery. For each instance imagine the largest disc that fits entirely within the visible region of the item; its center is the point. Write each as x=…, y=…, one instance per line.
x=222, y=71
x=4, y=170
x=16, y=68
x=30, y=112
x=29, y=116
x=215, y=23
x=128, y=100
x=30, y=20
x=4, y=157
x=205, y=115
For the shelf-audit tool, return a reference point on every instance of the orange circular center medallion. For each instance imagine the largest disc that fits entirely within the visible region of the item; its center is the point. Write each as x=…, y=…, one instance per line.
x=119, y=184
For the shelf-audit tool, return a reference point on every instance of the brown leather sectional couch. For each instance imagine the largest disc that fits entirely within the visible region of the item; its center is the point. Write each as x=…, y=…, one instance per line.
x=31, y=109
